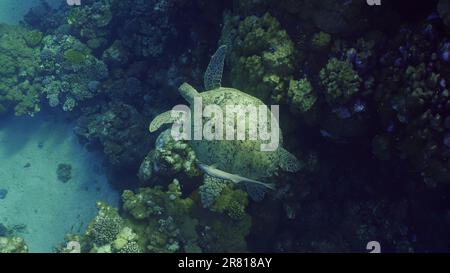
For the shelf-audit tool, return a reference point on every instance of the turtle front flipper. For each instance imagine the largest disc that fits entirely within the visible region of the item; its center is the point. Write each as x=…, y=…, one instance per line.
x=288, y=161
x=160, y=120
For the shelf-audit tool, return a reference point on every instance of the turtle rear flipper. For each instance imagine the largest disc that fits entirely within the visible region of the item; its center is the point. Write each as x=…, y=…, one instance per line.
x=288, y=161
x=160, y=120
x=256, y=192
x=213, y=75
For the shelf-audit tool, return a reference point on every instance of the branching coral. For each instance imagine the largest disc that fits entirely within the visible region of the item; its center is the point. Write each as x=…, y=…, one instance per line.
x=210, y=190
x=321, y=40
x=261, y=56
x=301, y=95
x=106, y=225
x=168, y=224
x=413, y=103
x=340, y=81
x=108, y=233
x=231, y=202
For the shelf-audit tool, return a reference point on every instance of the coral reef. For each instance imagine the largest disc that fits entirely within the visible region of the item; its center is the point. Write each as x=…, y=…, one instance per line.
x=64, y=172
x=443, y=8
x=231, y=202
x=121, y=131
x=71, y=74
x=219, y=196
x=210, y=190
x=19, y=90
x=169, y=227
x=106, y=225
x=414, y=103
x=12, y=245
x=158, y=220
x=321, y=40
x=340, y=81
x=108, y=233
x=90, y=22
x=262, y=56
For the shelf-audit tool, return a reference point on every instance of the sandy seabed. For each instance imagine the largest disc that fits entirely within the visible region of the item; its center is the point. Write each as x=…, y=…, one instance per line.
x=43, y=208
x=12, y=11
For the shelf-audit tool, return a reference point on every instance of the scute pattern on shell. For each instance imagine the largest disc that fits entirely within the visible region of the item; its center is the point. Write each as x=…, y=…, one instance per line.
x=242, y=157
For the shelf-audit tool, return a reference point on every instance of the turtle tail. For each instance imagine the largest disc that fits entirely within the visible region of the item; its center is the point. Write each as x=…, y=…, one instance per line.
x=188, y=92
x=288, y=161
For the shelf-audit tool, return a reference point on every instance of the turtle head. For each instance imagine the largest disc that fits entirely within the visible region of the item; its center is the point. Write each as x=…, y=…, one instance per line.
x=188, y=92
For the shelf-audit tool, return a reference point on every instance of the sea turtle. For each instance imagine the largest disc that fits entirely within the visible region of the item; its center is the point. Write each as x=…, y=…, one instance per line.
x=242, y=160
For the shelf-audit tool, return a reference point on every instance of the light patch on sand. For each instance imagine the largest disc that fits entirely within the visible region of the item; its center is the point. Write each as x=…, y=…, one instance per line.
x=12, y=11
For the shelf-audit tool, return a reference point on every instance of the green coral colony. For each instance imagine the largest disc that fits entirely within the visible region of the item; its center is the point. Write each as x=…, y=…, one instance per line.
x=364, y=122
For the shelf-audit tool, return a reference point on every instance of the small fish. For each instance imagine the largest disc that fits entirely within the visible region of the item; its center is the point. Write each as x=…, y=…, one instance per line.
x=333, y=138
x=445, y=52
x=342, y=112
x=391, y=127
x=428, y=29
x=433, y=16
x=325, y=134
x=398, y=62
x=232, y=177
x=402, y=118
x=359, y=106
x=446, y=140
x=347, y=2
